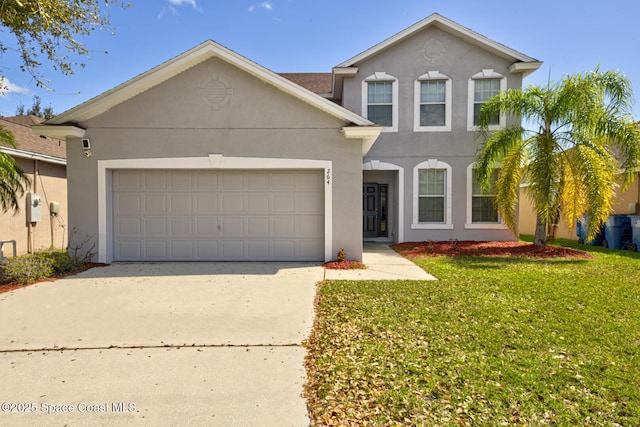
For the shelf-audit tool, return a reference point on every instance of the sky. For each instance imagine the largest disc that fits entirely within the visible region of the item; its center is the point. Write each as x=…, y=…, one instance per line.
x=569, y=36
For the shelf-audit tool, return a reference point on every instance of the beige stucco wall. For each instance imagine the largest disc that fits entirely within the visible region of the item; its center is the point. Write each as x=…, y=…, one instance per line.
x=172, y=120
x=52, y=186
x=624, y=203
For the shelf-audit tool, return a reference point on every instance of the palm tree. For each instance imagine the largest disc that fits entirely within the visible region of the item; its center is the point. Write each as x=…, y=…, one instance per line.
x=579, y=137
x=13, y=180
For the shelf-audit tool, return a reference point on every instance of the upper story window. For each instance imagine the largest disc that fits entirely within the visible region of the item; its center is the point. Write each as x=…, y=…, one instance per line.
x=380, y=100
x=432, y=103
x=483, y=86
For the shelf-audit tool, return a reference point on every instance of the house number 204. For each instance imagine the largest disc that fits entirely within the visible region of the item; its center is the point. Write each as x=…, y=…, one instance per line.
x=328, y=176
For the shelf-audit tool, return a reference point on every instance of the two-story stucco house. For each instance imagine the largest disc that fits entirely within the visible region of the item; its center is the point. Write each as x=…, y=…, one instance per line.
x=210, y=156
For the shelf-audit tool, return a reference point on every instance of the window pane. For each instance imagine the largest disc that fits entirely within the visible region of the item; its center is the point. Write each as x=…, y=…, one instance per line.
x=380, y=114
x=485, y=89
x=431, y=182
x=432, y=91
x=380, y=92
x=493, y=120
x=431, y=209
x=477, y=189
x=432, y=115
x=483, y=210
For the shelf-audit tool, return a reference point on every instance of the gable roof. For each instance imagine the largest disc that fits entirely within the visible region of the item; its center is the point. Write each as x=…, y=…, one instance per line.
x=30, y=144
x=457, y=30
x=208, y=49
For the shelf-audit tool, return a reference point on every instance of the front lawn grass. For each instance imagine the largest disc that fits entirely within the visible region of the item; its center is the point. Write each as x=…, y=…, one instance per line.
x=495, y=341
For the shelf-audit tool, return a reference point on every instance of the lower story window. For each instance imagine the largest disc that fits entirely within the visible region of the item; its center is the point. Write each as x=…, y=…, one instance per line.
x=483, y=201
x=431, y=195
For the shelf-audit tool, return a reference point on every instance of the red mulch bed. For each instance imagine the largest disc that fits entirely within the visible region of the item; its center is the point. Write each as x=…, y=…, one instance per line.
x=8, y=287
x=344, y=265
x=490, y=249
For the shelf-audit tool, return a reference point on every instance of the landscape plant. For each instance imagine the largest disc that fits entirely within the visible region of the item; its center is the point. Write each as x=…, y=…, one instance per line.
x=577, y=136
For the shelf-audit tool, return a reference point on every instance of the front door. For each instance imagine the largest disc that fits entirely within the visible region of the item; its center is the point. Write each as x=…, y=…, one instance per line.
x=374, y=210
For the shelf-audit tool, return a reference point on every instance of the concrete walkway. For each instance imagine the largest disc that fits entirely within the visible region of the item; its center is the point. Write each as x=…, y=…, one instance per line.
x=383, y=263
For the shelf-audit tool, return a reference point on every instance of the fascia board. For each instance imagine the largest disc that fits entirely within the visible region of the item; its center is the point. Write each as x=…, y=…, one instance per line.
x=31, y=155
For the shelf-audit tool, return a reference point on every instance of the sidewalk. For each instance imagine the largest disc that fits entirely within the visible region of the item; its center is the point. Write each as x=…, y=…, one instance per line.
x=383, y=263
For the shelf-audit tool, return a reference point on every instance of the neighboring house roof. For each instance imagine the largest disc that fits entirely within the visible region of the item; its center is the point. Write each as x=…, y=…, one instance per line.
x=208, y=49
x=319, y=83
x=522, y=63
x=30, y=144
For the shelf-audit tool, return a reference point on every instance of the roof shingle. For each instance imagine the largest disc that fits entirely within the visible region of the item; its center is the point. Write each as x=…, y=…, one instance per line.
x=27, y=140
x=319, y=83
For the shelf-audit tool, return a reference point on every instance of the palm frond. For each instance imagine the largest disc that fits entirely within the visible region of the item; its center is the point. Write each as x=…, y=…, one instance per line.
x=507, y=184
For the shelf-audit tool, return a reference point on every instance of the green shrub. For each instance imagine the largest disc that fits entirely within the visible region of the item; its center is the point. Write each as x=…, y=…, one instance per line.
x=37, y=266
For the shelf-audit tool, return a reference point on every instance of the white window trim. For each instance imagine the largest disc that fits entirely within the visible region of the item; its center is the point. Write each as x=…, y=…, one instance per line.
x=432, y=75
x=447, y=224
x=484, y=74
x=470, y=225
x=382, y=77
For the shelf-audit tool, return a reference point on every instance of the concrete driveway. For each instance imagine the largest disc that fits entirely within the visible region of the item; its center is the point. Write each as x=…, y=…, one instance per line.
x=162, y=344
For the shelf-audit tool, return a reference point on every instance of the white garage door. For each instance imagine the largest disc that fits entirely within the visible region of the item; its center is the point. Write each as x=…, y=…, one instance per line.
x=181, y=215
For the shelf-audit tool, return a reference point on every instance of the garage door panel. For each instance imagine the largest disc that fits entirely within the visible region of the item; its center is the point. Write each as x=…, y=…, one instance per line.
x=232, y=227
x=257, y=181
x=181, y=226
x=284, y=226
x=232, y=204
x=128, y=181
x=307, y=226
x=128, y=203
x=284, y=249
x=156, y=249
x=181, y=181
x=258, y=226
x=182, y=249
x=233, y=181
x=308, y=249
x=129, y=227
x=156, y=226
x=131, y=250
x=206, y=226
x=233, y=249
x=258, y=249
x=307, y=181
x=207, y=249
x=206, y=204
x=155, y=181
x=258, y=203
x=155, y=203
x=181, y=204
x=307, y=203
x=205, y=181
x=218, y=215
x=284, y=203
